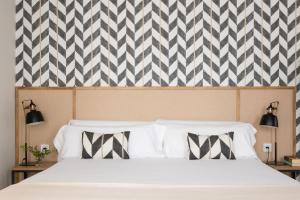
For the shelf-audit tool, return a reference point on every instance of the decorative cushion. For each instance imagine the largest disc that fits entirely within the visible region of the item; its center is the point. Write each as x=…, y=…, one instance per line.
x=211, y=146
x=105, y=146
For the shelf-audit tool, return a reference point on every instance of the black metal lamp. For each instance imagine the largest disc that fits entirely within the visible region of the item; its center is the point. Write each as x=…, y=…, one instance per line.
x=33, y=117
x=270, y=120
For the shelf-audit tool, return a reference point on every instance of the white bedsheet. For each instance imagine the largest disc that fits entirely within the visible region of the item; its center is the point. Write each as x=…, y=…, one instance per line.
x=164, y=172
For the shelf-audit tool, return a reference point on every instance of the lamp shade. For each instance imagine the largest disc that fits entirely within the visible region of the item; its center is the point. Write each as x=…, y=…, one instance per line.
x=34, y=117
x=270, y=120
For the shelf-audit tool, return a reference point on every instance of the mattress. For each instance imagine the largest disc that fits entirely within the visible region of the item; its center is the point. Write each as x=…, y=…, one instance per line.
x=158, y=179
x=174, y=172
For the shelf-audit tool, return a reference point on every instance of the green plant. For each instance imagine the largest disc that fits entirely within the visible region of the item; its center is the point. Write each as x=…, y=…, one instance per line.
x=37, y=153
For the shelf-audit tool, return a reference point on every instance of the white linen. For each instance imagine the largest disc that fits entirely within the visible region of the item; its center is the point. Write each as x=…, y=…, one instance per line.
x=173, y=133
x=175, y=138
x=143, y=140
x=106, y=123
x=203, y=122
x=249, y=126
x=164, y=172
x=58, y=141
x=160, y=179
x=65, y=191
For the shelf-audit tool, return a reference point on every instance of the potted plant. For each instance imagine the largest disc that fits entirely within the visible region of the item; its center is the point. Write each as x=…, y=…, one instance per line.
x=38, y=154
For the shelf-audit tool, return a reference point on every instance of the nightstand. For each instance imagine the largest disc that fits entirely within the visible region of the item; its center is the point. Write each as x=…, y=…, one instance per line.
x=29, y=169
x=286, y=168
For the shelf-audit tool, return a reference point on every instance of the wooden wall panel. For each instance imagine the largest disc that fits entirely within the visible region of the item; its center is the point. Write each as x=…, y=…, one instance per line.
x=56, y=106
x=152, y=104
x=59, y=105
x=253, y=104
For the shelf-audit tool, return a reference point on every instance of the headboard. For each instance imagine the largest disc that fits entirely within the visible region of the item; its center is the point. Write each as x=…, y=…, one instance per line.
x=246, y=104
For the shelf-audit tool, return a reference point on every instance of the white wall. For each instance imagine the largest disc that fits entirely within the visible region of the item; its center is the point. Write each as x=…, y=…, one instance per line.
x=7, y=95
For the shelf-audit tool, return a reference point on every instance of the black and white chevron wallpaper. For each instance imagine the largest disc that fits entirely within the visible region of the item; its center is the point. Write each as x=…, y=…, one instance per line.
x=198, y=43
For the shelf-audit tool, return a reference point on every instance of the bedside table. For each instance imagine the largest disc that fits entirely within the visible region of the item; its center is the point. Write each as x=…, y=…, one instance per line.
x=286, y=168
x=29, y=169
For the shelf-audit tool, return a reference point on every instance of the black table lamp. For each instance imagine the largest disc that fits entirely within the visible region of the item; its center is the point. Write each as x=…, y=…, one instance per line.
x=270, y=120
x=33, y=117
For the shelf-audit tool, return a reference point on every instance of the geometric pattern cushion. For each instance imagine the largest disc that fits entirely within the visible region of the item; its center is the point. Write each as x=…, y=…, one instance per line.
x=105, y=146
x=211, y=146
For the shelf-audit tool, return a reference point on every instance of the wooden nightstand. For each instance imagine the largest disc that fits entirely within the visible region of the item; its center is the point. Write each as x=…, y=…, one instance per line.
x=29, y=169
x=286, y=168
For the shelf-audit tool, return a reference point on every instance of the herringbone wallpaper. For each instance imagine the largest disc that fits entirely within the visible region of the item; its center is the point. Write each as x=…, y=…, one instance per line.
x=158, y=43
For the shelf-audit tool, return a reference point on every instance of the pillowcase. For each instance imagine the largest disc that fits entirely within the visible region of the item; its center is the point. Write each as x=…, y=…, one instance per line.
x=211, y=146
x=175, y=143
x=252, y=131
x=58, y=141
x=105, y=146
x=144, y=142
x=106, y=123
x=197, y=122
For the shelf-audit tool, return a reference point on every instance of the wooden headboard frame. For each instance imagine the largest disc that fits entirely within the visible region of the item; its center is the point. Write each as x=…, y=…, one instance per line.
x=247, y=104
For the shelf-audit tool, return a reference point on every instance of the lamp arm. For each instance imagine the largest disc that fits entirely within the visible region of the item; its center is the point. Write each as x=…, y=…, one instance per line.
x=24, y=106
x=275, y=105
x=25, y=159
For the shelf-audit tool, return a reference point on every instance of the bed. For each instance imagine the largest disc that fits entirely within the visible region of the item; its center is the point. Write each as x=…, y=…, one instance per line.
x=156, y=179
x=171, y=176
x=159, y=165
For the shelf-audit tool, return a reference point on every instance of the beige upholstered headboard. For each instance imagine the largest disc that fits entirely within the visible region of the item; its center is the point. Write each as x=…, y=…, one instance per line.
x=246, y=104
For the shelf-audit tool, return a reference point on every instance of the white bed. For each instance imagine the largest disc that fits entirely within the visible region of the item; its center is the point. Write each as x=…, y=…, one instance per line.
x=156, y=179
x=165, y=172
x=158, y=168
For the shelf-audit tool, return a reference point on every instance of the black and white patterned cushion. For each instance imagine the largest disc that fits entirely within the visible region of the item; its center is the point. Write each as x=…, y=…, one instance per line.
x=105, y=146
x=211, y=146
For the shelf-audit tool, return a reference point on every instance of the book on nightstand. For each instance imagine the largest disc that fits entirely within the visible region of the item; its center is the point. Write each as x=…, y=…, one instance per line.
x=291, y=160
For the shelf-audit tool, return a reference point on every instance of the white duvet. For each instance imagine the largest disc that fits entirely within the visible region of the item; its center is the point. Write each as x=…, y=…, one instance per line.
x=172, y=172
x=160, y=179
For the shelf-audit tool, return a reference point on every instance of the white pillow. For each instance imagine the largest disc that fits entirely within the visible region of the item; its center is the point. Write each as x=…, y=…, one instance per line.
x=175, y=138
x=106, y=123
x=197, y=122
x=59, y=139
x=144, y=142
x=252, y=131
